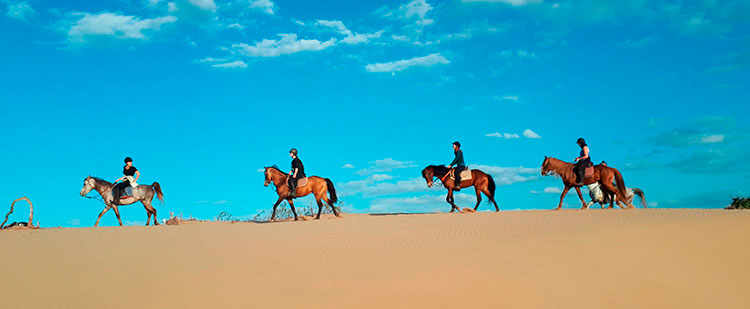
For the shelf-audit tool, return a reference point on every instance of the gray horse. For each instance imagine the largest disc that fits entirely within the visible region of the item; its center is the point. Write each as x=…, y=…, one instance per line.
x=600, y=196
x=143, y=193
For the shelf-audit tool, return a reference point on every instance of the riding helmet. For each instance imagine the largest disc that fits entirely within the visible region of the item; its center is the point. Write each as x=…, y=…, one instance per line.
x=457, y=144
x=293, y=151
x=128, y=159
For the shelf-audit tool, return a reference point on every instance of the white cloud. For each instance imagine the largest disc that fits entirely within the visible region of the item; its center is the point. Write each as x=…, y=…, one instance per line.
x=508, y=175
x=380, y=177
x=113, y=25
x=209, y=59
x=236, y=25
x=530, y=134
x=552, y=190
x=370, y=188
x=396, y=66
x=222, y=202
x=385, y=165
x=193, y=11
x=357, y=38
x=263, y=5
x=511, y=2
x=287, y=44
x=508, y=98
x=20, y=10
x=415, y=10
x=418, y=8
x=206, y=5
x=234, y=64
x=711, y=139
x=351, y=37
x=347, y=166
x=502, y=135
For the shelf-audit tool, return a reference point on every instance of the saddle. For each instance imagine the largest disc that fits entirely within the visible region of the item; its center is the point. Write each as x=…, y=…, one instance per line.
x=588, y=172
x=465, y=174
x=127, y=192
x=301, y=182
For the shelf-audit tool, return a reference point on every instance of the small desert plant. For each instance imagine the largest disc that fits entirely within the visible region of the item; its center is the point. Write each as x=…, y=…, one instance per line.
x=740, y=203
x=284, y=212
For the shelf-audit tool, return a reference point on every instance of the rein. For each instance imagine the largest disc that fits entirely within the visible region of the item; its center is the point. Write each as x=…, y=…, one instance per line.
x=447, y=174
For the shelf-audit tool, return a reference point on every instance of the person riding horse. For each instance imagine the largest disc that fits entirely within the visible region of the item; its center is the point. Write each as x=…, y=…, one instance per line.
x=129, y=178
x=458, y=161
x=582, y=162
x=297, y=172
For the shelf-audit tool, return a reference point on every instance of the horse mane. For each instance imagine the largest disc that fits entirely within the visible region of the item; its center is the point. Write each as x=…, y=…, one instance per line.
x=276, y=168
x=560, y=167
x=439, y=169
x=100, y=180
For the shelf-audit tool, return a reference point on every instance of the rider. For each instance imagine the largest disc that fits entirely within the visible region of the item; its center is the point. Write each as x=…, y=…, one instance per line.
x=128, y=179
x=297, y=172
x=458, y=161
x=582, y=162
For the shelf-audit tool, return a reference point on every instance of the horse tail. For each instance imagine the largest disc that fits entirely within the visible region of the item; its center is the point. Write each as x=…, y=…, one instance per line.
x=491, y=185
x=159, y=194
x=622, y=190
x=640, y=194
x=332, y=191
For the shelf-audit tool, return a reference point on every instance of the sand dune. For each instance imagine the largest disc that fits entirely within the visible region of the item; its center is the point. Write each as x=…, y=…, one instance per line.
x=521, y=259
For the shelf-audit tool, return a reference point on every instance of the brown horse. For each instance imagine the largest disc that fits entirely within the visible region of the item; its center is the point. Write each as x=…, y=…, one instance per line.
x=315, y=185
x=481, y=181
x=603, y=174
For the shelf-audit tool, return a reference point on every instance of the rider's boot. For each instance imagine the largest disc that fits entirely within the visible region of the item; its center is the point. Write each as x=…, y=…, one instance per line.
x=457, y=185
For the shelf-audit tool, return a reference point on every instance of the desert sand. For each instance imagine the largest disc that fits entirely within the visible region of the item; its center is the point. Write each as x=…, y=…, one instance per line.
x=518, y=259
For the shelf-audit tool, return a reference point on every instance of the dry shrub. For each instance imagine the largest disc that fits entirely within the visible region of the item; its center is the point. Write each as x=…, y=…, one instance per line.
x=174, y=220
x=21, y=225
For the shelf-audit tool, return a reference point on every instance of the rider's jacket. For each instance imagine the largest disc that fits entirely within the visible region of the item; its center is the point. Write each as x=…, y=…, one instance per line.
x=459, y=160
x=297, y=163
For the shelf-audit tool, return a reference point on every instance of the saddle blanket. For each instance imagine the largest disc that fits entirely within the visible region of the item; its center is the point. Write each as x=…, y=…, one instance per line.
x=465, y=175
x=128, y=192
x=301, y=182
x=589, y=172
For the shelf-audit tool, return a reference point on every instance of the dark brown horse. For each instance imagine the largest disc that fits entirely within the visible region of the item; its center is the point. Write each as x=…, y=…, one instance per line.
x=481, y=181
x=603, y=174
x=315, y=185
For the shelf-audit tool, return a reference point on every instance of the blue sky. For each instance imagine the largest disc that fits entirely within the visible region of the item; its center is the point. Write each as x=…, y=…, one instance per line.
x=204, y=93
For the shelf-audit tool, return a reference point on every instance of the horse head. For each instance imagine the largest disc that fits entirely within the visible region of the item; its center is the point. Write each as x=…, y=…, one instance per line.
x=546, y=168
x=428, y=173
x=88, y=184
x=268, y=172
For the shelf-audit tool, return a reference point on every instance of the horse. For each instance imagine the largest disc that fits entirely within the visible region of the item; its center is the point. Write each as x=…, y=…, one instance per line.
x=600, y=196
x=143, y=193
x=315, y=185
x=603, y=174
x=481, y=181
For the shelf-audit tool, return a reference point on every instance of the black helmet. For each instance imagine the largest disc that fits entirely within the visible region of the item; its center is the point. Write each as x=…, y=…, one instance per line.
x=293, y=151
x=457, y=144
x=581, y=141
x=128, y=159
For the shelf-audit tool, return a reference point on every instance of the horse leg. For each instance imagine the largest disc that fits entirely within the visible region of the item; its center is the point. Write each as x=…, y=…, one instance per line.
x=291, y=204
x=320, y=208
x=150, y=210
x=100, y=216
x=450, y=200
x=328, y=201
x=615, y=196
x=562, y=196
x=117, y=212
x=273, y=213
x=479, y=197
x=578, y=190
